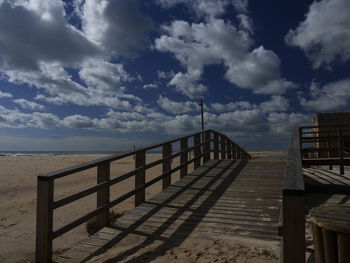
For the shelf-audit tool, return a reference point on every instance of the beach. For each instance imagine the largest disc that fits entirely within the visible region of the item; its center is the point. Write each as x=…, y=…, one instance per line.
x=18, y=200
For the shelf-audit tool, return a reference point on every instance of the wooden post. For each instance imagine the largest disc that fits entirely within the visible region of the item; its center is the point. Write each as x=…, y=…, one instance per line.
x=223, y=147
x=216, y=146
x=140, y=160
x=293, y=244
x=340, y=147
x=329, y=150
x=103, y=175
x=206, y=156
x=197, y=150
x=229, y=149
x=183, y=156
x=166, y=165
x=44, y=220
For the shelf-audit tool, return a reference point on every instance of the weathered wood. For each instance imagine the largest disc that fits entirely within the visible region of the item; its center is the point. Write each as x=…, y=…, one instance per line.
x=229, y=150
x=216, y=146
x=341, y=149
x=330, y=248
x=293, y=228
x=343, y=242
x=44, y=221
x=206, y=156
x=103, y=175
x=318, y=243
x=140, y=160
x=223, y=146
x=166, y=165
x=197, y=150
x=184, y=156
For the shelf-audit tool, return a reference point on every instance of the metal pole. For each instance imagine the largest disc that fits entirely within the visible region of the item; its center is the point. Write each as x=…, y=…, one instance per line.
x=202, y=113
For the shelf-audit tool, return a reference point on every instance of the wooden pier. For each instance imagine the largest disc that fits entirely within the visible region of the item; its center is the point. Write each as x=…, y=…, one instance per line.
x=227, y=194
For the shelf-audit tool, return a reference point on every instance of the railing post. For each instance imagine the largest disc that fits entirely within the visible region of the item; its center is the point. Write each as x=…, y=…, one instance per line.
x=216, y=146
x=44, y=220
x=223, y=147
x=293, y=243
x=329, y=150
x=197, y=150
x=183, y=156
x=206, y=156
x=140, y=160
x=229, y=149
x=166, y=165
x=340, y=147
x=103, y=175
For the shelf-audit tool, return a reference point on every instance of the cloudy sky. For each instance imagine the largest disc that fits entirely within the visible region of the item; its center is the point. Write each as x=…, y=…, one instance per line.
x=107, y=75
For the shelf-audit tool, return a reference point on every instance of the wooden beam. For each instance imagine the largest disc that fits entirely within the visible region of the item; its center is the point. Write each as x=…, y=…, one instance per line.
x=223, y=147
x=184, y=156
x=44, y=221
x=216, y=146
x=341, y=148
x=166, y=165
x=206, y=156
x=103, y=175
x=140, y=160
x=197, y=150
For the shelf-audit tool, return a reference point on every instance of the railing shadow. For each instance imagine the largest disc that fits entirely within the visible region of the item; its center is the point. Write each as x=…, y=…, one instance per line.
x=228, y=173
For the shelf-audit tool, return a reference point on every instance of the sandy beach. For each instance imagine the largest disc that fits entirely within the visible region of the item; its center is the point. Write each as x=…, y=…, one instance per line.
x=18, y=204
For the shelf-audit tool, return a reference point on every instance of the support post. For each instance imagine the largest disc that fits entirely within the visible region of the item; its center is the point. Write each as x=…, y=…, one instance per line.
x=293, y=243
x=329, y=150
x=223, y=147
x=229, y=150
x=140, y=160
x=44, y=221
x=206, y=156
x=184, y=156
x=166, y=165
x=197, y=150
x=340, y=147
x=103, y=175
x=216, y=146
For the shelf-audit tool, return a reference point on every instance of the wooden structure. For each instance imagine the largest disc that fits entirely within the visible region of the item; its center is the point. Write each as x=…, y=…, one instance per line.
x=227, y=193
x=326, y=125
x=202, y=143
x=319, y=144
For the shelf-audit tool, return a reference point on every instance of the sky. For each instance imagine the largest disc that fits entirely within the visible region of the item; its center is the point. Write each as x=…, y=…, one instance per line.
x=99, y=75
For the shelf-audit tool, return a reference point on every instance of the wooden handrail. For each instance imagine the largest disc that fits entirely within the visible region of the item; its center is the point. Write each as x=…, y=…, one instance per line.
x=46, y=203
x=292, y=217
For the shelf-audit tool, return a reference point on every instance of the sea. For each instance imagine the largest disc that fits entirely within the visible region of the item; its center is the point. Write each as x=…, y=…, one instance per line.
x=57, y=153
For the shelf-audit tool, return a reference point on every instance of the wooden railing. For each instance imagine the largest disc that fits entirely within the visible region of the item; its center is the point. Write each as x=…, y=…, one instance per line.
x=325, y=145
x=204, y=143
x=292, y=214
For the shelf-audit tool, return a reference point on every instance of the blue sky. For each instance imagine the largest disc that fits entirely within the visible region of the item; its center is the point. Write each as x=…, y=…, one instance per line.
x=106, y=75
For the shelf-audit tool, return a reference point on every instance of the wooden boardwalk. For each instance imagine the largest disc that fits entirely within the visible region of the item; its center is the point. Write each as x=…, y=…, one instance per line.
x=236, y=198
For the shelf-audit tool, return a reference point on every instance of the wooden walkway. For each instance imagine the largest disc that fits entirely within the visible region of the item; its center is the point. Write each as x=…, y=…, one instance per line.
x=238, y=198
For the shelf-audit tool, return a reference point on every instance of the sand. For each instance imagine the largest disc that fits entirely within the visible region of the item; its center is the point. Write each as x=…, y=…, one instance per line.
x=18, y=208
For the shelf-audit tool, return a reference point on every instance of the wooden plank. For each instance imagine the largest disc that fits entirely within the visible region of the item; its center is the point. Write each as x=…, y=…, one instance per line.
x=216, y=146
x=341, y=150
x=206, y=156
x=140, y=160
x=103, y=175
x=184, y=156
x=223, y=146
x=197, y=151
x=166, y=167
x=44, y=221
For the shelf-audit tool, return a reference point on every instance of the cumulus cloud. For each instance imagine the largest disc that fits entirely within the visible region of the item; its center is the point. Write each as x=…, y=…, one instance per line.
x=324, y=35
x=241, y=105
x=5, y=95
x=150, y=86
x=177, y=107
x=118, y=27
x=331, y=96
x=31, y=105
x=275, y=104
x=214, y=42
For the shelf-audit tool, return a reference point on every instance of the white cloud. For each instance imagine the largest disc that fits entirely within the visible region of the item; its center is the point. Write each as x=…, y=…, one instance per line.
x=177, y=107
x=5, y=95
x=283, y=123
x=332, y=96
x=276, y=103
x=324, y=35
x=240, y=5
x=103, y=75
x=215, y=42
x=118, y=27
x=165, y=75
x=238, y=105
x=26, y=104
x=150, y=86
